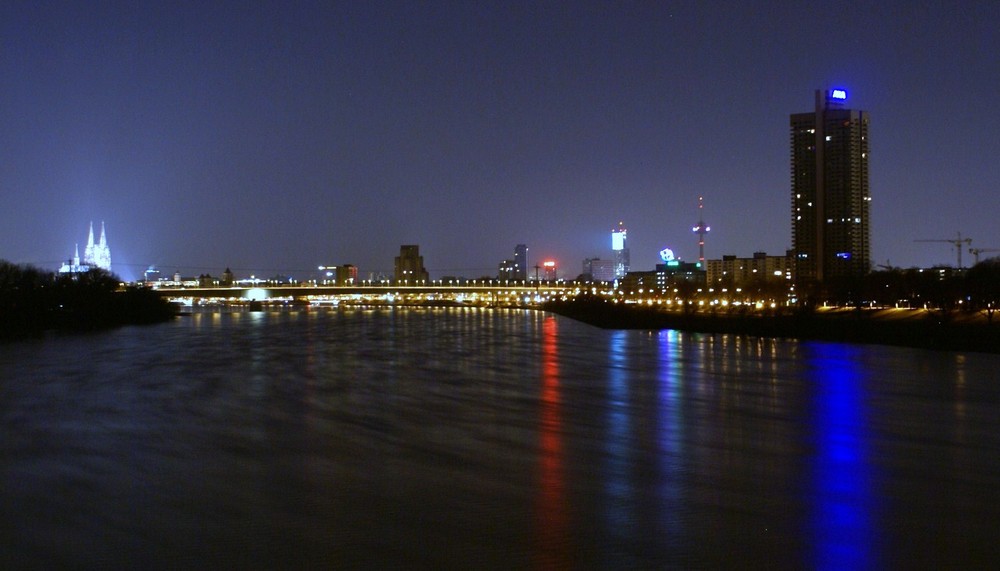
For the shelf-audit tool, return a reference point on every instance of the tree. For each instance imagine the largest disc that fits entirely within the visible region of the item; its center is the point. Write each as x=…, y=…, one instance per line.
x=982, y=284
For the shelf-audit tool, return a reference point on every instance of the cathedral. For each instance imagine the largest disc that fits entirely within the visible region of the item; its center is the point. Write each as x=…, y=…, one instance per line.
x=94, y=255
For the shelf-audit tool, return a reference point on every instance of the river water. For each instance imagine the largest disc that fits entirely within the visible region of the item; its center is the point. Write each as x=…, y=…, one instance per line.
x=490, y=439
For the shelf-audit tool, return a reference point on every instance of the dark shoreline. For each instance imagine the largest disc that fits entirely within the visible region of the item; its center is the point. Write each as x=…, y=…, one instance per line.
x=940, y=331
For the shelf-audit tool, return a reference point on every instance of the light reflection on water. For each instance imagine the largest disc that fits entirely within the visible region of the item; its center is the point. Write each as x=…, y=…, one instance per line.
x=553, y=518
x=433, y=438
x=670, y=439
x=844, y=506
x=618, y=518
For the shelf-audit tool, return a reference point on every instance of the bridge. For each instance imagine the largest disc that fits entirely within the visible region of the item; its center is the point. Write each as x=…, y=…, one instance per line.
x=471, y=292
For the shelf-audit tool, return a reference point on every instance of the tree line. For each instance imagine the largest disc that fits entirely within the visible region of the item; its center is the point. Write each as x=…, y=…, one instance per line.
x=944, y=289
x=34, y=300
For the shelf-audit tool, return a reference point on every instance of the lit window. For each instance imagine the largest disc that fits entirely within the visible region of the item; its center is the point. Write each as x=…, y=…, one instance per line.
x=829, y=138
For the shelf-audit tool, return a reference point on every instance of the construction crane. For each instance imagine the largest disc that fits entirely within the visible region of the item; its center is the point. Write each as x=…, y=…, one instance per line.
x=976, y=251
x=957, y=243
x=887, y=266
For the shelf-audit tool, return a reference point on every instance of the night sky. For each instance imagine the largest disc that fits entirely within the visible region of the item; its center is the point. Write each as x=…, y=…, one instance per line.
x=272, y=138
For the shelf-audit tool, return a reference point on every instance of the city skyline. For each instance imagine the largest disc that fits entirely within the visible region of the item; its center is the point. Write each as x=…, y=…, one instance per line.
x=275, y=137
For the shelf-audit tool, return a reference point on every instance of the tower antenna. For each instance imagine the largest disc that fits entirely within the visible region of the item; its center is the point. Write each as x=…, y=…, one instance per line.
x=701, y=230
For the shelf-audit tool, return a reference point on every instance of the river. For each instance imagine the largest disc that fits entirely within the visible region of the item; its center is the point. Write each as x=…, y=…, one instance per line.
x=490, y=439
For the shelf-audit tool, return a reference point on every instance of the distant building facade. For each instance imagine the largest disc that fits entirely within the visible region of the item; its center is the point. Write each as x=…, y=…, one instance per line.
x=521, y=262
x=830, y=193
x=731, y=270
x=341, y=275
x=663, y=280
x=409, y=266
x=347, y=274
x=550, y=271
x=507, y=271
x=599, y=270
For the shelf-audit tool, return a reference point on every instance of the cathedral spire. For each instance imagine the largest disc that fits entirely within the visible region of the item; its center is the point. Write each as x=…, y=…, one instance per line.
x=97, y=255
x=88, y=252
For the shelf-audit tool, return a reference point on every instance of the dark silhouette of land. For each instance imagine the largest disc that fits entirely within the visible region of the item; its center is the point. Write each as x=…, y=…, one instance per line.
x=33, y=301
x=937, y=309
x=946, y=330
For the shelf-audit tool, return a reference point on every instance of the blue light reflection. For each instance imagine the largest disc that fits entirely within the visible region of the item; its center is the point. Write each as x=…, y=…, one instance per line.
x=618, y=486
x=843, y=499
x=670, y=437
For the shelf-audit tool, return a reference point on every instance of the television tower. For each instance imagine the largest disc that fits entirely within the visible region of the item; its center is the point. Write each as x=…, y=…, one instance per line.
x=701, y=230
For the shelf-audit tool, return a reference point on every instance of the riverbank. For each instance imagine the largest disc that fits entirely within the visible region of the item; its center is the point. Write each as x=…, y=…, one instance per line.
x=33, y=301
x=906, y=328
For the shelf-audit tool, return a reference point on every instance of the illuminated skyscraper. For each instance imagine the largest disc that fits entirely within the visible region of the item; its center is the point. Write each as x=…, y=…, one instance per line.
x=830, y=194
x=619, y=243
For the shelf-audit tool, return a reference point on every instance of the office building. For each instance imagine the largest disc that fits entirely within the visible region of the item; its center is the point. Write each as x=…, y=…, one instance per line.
x=521, y=262
x=409, y=266
x=550, y=271
x=830, y=194
x=761, y=268
x=507, y=271
x=599, y=270
x=346, y=274
x=662, y=281
x=619, y=244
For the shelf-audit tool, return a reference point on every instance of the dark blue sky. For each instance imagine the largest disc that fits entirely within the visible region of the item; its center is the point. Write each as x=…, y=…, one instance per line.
x=274, y=138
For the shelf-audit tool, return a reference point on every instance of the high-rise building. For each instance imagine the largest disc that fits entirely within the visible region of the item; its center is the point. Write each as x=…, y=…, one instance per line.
x=410, y=266
x=520, y=262
x=506, y=270
x=619, y=243
x=830, y=194
x=551, y=271
x=599, y=270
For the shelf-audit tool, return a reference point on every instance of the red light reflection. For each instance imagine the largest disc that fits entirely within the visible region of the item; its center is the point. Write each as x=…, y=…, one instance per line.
x=552, y=549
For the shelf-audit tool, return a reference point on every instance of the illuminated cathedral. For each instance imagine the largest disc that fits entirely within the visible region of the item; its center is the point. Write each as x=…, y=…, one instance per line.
x=94, y=255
